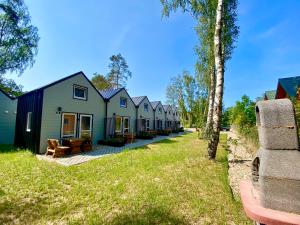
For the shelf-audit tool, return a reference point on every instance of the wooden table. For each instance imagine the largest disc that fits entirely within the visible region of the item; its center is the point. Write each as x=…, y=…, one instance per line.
x=74, y=144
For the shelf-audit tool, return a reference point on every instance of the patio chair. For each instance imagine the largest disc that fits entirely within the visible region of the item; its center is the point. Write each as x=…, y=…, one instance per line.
x=55, y=149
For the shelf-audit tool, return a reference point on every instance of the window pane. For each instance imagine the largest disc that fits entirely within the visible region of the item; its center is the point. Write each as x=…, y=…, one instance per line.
x=126, y=123
x=85, y=123
x=80, y=92
x=28, y=122
x=146, y=107
x=69, y=125
x=123, y=102
x=118, y=124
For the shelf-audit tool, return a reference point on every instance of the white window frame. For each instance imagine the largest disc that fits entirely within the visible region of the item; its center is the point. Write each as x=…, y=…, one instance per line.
x=62, y=125
x=123, y=106
x=160, y=110
x=146, y=104
x=124, y=128
x=82, y=88
x=147, y=124
x=91, y=124
x=121, y=125
x=29, y=122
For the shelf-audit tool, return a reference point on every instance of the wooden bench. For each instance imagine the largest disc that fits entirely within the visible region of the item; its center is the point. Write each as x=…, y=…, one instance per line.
x=55, y=149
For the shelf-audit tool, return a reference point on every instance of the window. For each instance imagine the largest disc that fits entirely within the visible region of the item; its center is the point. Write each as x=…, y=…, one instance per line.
x=176, y=114
x=126, y=124
x=146, y=107
x=85, y=129
x=147, y=124
x=118, y=128
x=80, y=92
x=28, y=122
x=68, y=125
x=169, y=112
x=160, y=110
x=123, y=102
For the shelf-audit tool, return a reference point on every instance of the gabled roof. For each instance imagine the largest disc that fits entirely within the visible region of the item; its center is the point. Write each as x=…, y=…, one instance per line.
x=8, y=95
x=155, y=104
x=270, y=94
x=166, y=107
x=138, y=100
x=174, y=108
x=290, y=85
x=109, y=93
x=63, y=79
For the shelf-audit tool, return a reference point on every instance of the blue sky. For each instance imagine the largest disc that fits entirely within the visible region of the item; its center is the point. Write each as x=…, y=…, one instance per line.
x=82, y=35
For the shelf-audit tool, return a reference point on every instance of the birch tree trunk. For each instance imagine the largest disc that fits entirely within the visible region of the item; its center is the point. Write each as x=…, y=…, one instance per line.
x=208, y=126
x=219, y=65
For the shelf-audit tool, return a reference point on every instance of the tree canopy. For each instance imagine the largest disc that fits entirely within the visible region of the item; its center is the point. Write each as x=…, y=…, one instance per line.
x=100, y=82
x=10, y=86
x=119, y=71
x=18, y=37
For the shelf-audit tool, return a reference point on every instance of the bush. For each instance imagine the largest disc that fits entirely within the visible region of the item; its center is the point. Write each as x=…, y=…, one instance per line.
x=163, y=132
x=115, y=142
x=145, y=135
x=181, y=129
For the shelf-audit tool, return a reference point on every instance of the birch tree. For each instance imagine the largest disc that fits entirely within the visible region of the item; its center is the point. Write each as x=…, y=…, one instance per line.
x=225, y=35
x=205, y=50
x=219, y=65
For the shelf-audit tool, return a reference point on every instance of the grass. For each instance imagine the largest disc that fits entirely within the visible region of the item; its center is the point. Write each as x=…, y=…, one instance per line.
x=170, y=182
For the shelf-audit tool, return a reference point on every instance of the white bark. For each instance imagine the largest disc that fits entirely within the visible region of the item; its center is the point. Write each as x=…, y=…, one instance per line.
x=219, y=65
x=208, y=126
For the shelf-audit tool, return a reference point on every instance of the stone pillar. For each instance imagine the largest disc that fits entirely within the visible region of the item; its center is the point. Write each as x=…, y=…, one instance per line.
x=276, y=167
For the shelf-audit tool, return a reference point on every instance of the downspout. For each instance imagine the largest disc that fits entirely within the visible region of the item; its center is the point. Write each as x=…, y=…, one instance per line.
x=105, y=122
x=154, y=119
x=136, y=121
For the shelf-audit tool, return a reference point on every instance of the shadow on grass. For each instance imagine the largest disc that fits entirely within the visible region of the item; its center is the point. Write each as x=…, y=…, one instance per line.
x=150, y=215
x=16, y=209
x=166, y=141
x=8, y=148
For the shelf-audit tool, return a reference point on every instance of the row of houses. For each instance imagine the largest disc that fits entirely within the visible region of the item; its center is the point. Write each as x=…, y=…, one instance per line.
x=286, y=88
x=73, y=107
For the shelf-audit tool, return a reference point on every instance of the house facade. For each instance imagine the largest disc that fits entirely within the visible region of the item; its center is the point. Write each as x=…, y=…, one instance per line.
x=169, y=118
x=158, y=115
x=120, y=112
x=68, y=108
x=8, y=111
x=144, y=114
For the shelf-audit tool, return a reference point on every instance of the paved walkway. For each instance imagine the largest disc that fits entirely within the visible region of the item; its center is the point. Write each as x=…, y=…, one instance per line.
x=100, y=151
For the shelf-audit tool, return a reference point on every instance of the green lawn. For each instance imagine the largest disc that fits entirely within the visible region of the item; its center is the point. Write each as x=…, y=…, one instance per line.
x=170, y=182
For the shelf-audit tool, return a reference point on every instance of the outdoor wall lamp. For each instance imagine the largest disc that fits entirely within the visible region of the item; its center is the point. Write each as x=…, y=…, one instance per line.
x=59, y=109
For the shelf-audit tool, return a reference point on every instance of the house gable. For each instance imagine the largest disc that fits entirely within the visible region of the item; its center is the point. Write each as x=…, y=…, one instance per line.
x=61, y=98
x=160, y=115
x=114, y=108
